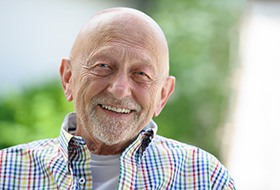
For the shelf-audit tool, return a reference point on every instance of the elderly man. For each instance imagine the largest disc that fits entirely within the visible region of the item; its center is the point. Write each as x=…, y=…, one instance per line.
x=117, y=75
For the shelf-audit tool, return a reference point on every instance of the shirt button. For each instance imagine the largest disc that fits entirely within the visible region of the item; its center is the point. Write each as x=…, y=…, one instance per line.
x=82, y=180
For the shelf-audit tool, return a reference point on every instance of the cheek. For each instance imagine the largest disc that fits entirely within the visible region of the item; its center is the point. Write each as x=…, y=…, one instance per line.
x=85, y=89
x=90, y=84
x=147, y=98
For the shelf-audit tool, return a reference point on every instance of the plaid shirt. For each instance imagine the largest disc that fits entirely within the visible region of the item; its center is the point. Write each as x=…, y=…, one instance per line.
x=150, y=162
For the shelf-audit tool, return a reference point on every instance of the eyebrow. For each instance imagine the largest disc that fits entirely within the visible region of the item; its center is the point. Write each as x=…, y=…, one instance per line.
x=100, y=54
x=105, y=53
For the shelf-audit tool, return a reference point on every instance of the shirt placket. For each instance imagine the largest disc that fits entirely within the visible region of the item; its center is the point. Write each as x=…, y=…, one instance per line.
x=79, y=158
x=130, y=160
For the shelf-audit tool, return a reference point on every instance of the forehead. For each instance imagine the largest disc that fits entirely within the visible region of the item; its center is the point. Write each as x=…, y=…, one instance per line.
x=126, y=36
x=116, y=53
x=123, y=34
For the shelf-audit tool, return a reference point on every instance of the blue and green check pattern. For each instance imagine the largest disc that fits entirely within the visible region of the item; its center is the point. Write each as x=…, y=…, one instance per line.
x=63, y=163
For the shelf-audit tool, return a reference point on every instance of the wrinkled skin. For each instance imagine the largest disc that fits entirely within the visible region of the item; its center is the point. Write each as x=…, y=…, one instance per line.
x=117, y=77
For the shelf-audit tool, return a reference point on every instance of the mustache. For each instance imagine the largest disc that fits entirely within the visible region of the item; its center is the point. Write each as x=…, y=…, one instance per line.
x=109, y=100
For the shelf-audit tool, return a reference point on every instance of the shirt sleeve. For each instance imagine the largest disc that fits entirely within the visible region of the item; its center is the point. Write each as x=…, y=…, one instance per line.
x=219, y=176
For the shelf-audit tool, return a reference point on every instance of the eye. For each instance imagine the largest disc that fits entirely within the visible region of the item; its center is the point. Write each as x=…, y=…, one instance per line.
x=141, y=77
x=101, y=69
x=141, y=73
x=103, y=65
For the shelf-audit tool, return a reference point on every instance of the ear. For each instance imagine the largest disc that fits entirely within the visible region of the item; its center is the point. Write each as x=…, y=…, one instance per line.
x=166, y=91
x=65, y=75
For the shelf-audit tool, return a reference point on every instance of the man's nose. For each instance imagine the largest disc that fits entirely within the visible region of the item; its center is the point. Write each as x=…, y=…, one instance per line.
x=120, y=86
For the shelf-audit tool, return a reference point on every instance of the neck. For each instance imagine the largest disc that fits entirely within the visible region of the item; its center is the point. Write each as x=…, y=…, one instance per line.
x=96, y=146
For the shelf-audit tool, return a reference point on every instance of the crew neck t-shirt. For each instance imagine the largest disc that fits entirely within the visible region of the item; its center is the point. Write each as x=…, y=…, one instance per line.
x=105, y=170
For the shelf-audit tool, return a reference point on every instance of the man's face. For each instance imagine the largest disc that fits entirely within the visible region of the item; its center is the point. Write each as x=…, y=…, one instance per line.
x=117, y=76
x=116, y=89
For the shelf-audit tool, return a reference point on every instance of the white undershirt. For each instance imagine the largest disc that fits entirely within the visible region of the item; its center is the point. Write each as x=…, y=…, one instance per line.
x=105, y=171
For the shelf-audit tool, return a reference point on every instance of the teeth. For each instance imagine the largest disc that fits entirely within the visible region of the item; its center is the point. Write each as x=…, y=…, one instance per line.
x=118, y=110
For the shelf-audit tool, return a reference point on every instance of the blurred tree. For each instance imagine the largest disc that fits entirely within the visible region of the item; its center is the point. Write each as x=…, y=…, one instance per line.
x=34, y=114
x=198, y=33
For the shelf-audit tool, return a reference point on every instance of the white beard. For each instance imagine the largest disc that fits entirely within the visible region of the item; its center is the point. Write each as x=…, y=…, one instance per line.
x=112, y=131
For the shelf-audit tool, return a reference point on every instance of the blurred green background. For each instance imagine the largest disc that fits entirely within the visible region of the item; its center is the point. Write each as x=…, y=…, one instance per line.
x=199, y=33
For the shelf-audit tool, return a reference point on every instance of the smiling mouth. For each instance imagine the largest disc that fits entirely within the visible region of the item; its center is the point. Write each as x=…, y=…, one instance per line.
x=115, y=109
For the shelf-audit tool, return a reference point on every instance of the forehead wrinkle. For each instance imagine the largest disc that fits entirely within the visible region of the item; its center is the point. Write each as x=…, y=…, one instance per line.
x=136, y=55
x=104, y=52
x=116, y=35
x=126, y=28
x=142, y=57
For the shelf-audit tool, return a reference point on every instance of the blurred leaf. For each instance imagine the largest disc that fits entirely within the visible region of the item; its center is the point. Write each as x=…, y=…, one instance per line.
x=198, y=34
x=35, y=113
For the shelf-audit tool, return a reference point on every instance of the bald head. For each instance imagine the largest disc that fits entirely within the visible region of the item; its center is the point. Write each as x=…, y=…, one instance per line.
x=121, y=25
x=117, y=76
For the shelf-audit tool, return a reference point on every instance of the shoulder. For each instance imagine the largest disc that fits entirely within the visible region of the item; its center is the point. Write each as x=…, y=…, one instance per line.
x=173, y=146
x=28, y=150
x=35, y=145
x=188, y=153
x=192, y=161
x=25, y=166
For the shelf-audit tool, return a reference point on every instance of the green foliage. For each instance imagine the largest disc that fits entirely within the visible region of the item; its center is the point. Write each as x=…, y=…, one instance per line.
x=199, y=34
x=34, y=114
